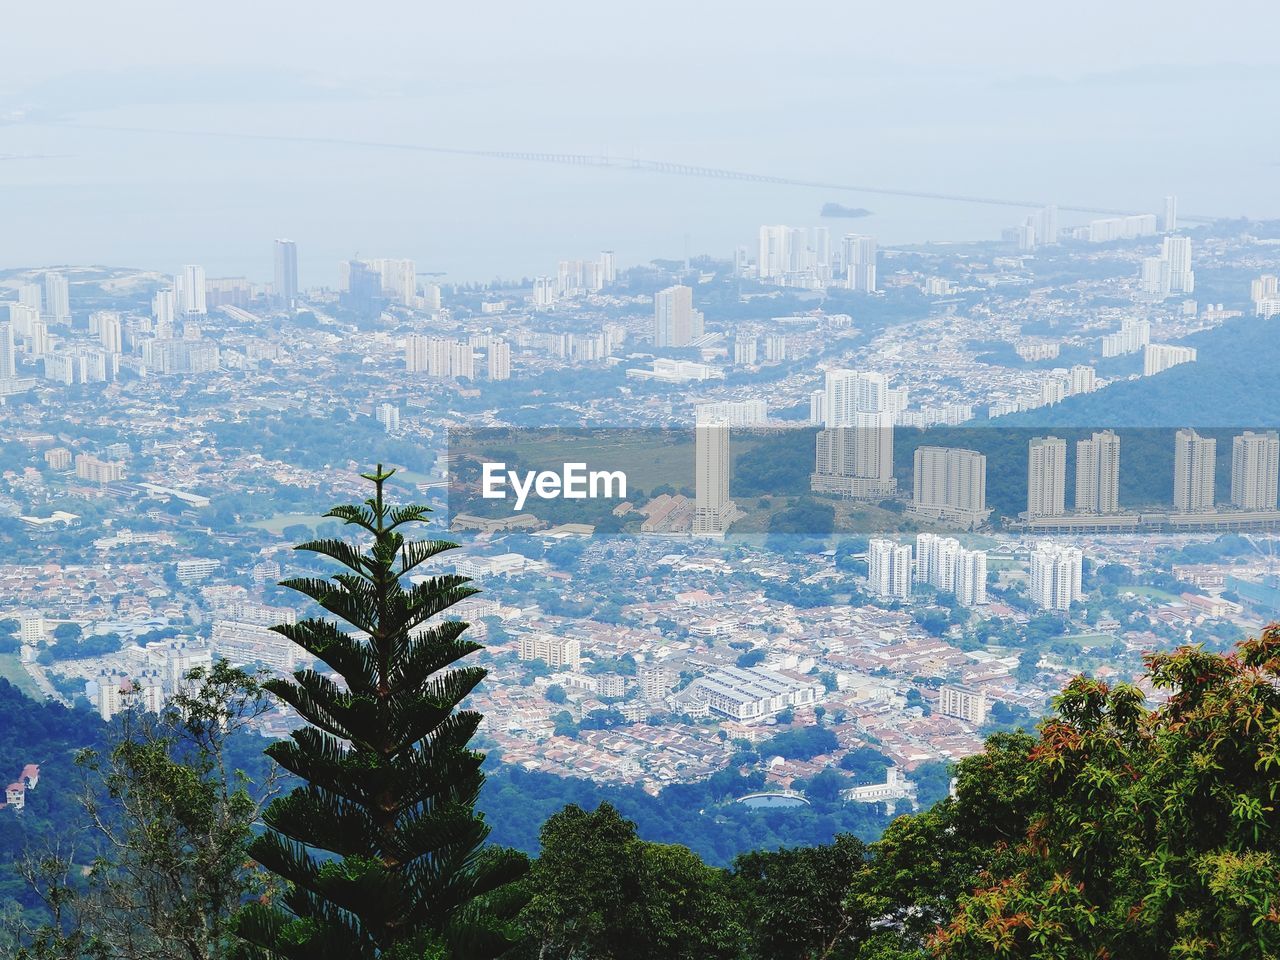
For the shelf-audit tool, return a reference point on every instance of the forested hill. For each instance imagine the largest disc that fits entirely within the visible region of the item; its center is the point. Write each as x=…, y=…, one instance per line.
x=702, y=816
x=47, y=734
x=1233, y=383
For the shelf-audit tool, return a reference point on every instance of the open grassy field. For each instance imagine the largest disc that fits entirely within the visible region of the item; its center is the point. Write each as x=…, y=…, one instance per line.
x=277, y=523
x=1154, y=593
x=1087, y=641
x=11, y=669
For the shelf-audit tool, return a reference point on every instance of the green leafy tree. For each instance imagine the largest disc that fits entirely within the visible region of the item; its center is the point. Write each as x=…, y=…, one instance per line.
x=600, y=892
x=381, y=849
x=173, y=817
x=797, y=902
x=1154, y=833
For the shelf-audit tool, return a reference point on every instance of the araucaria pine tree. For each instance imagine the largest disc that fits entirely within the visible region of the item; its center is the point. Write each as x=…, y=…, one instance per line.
x=381, y=851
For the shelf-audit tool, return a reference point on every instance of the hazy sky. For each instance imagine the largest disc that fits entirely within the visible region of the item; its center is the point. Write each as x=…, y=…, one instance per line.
x=1104, y=103
x=632, y=44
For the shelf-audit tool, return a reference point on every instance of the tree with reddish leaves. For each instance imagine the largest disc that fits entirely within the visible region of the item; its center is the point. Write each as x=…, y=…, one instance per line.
x=1155, y=833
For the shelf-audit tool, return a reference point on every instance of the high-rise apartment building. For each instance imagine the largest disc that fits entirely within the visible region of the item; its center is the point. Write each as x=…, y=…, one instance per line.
x=1265, y=294
x=397, y=279
x=1081, y=379
x=30, y=295
x=856, y=460
x=1056, y=576
x=110, y=331
x=860, y=263
x=388, y=415
x=889, y=569
x=1194, y=466
x=1255, y=470
x=499, y=360
x=189, y=288
x=736, y=413
x=39, y=343
x=1176, y=251
x=1133, y=336
x=943, y=563
x=8, y=352
x=971, y=578
x=1046, y=477
x=1098, y=473
x=559, y=653
x=1159, y=357
x=848, y=393
x=180, y=356
x=963, y=703
x=951, y=484
x=675, y=322
x=90, y=468
x=713, y=511
x=437, y=357
x=57, y=298
x=286, y=278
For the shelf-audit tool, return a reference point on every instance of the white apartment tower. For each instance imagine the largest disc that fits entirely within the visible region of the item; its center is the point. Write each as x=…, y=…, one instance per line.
x=8, y=352
x=1176, y=251
x=943, y=563
x=1255, y=470
x=1046, y=477
x=499, y=360
x=110, y=334
x=286, y=277
x=951, y=484
x=713, y=511
x=860, y=263
x=189, y=287
x=388, y=415
x=57, y=299
x=1056, y=576
x=856, y=460
x=1194, y=464
x=851, y=392
x=675, y=322
x=889, y=569
x=1098, y=474
x=1159, y=357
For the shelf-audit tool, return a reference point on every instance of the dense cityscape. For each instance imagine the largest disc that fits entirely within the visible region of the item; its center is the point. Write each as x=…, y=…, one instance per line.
x=707, y=481
x=163, y=452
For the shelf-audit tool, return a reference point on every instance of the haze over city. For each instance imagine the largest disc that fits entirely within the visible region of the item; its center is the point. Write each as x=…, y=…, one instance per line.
x=846, y=441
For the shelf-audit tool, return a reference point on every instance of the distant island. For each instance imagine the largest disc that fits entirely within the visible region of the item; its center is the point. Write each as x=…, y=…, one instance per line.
x=840, y=210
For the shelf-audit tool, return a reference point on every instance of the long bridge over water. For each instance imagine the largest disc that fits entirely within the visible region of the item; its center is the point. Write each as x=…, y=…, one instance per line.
x=636, y=164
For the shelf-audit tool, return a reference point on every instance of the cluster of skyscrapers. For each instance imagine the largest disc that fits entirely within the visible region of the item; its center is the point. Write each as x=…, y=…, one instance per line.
x=1170, y=272
x=854, y=450
x=452, y=359
x=1097, y=475
x=574, y=278
x=1255, y=471
x=939, y=561
x=1255, y=474
x=800, y=257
